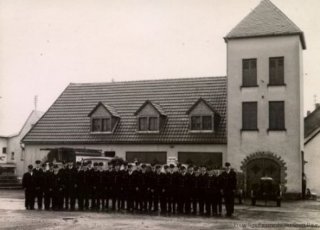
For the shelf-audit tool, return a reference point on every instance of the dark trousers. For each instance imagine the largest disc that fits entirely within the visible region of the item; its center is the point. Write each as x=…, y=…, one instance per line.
x=48, y=199
x=201, y=201
x=182, y=200
x=194, y=201
x=211, y=202
x=229, y=201
x=38, y=193
x=150, y=194
x=80, y=198
x=171, y=199
x=163, y=201
x=115, y=198
x=156, y=199
x=29, y=198
x=95, y=198
x=57, y=200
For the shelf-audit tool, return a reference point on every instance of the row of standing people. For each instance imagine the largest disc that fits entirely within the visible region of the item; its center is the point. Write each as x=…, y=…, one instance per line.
x=168, y=189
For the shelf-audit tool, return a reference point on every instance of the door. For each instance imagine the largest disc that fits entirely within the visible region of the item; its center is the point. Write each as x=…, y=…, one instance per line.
x=261, y=167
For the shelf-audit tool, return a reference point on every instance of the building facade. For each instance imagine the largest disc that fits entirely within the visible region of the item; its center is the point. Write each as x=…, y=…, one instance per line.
x=252, y=118
x=12, y=156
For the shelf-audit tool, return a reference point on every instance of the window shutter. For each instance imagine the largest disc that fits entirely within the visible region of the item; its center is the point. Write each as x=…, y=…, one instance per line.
x=276, y=71
x=276, y=115
x=249, y=115
x=249, y=72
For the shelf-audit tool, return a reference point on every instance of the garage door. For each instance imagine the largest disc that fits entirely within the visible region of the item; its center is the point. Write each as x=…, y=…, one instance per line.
x=212, y=159
x=147, y=157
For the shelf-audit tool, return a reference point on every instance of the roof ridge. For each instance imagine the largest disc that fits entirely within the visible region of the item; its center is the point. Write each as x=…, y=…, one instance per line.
x=147, y=80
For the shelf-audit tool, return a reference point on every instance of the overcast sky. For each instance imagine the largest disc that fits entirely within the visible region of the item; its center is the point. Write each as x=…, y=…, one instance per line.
x=46, y=44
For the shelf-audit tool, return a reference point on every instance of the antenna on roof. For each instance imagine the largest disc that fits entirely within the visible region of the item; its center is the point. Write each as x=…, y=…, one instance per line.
x=35, y=102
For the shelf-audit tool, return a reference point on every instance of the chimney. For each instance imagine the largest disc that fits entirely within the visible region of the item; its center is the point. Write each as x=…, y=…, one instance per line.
x=308, y=112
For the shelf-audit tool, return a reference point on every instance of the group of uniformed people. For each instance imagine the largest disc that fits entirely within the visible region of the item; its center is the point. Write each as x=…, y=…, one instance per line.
x=132, y=187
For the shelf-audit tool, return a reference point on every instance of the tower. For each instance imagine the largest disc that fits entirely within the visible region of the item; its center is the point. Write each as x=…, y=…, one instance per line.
x=265, y=110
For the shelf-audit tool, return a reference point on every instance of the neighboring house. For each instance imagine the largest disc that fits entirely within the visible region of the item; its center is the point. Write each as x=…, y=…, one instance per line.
x=12, y=150
x=312, y=150
x=252, y=118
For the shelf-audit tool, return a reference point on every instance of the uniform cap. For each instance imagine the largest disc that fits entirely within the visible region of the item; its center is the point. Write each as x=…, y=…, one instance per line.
x=143, y=166
x=30, y=167
x=172, y=166
x=227, y=164
x=182, y=167
x=55, y=166
x=95, y=164
x=38, y=162
x=158, y=166
x=78, y=163
x=44, y=165
x=100, y=164
x=166, y=167
x=50, y=164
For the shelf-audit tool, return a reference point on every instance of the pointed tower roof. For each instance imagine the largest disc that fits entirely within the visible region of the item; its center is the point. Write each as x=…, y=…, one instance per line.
x=265, y=20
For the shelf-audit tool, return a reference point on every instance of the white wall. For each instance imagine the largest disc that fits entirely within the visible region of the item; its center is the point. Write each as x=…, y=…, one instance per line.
x=3, y=144
x=312, y=169
x=33, y=152
x=286, y=144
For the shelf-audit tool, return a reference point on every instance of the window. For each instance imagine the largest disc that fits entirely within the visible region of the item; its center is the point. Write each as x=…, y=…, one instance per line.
x=276, y=71
x=148, y=124
x=106, y=125
x=201, y=123
x=207, y=122
x=249, y=72
x=153, y=123
x=249, y=115
x=101, y=125
x=4, y=150
x=196, y=123
x=12, y=156
x=276, y=115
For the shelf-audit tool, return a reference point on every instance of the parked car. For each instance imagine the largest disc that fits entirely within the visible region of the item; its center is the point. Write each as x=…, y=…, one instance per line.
x=266, y=190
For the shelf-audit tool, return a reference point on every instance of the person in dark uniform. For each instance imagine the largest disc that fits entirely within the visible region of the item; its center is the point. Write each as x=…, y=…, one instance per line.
x=219, y=195
x=182, y=184
x=229, y=182
x=71, y=186
x=81, y=186
x=108, y=184
x=158, y=186
x=195, y=192
x=211, y=193
x=57, y=189
x=95, y=183
x=190, y=188
x=48, y=190
x=129, y=185
x=143, y=188
x=63, y=174
x=38, y=183
x=172, y=188
x=27, y=183
x=86, y=185
x=164, y=190
x=123, y=195
x=150, y=187
x=116, y=186
x=202, y=182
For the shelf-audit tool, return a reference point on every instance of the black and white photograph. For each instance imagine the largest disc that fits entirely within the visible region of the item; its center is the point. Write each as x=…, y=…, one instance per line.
x=159, y=114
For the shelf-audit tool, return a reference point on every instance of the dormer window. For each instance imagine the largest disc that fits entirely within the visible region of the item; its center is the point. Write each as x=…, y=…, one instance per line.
x=202, y=117
x=104, y=119
x=148, y=124
x=150, y=118
x=201, y=123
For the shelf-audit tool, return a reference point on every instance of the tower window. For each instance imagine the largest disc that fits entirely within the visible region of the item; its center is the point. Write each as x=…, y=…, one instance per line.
x=276, y=115
x=276, y=71
x=249, y=72
x=249, y=116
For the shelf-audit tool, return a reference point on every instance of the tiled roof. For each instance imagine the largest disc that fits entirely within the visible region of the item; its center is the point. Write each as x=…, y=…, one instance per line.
x=312, y=122
x=265, y=20
x=67, y=119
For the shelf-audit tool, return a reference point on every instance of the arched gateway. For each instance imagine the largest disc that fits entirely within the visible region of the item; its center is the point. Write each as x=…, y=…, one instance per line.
x=261, y=164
